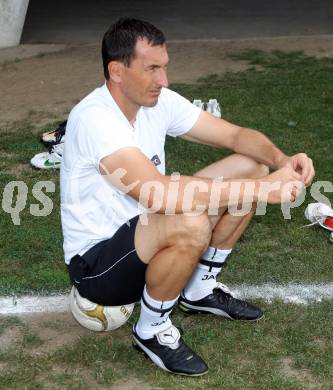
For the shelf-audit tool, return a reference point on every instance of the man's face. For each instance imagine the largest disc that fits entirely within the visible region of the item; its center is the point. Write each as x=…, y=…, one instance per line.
x=144, y=78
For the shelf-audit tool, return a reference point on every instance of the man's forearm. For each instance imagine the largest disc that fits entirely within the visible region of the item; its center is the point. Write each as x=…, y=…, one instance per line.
x=254, y=144
x=188, y=194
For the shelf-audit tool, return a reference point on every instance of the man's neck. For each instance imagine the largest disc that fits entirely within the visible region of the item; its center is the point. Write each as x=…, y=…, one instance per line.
x=128, y=108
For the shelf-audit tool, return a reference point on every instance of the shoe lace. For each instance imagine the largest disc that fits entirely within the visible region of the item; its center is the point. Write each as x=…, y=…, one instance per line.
x=225, y=296
x=61, y=130
x=319, y=221
x=318, y=216
x=223, y=293
x=223, y=287
x=56, y=149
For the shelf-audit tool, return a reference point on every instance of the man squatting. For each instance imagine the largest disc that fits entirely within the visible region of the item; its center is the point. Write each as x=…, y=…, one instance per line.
x=112, y=256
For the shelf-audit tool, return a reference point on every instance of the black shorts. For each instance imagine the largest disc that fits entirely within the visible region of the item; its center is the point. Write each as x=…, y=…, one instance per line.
x=110, y=273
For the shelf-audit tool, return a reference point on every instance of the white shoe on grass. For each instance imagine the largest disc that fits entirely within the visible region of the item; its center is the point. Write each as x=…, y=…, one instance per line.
x=213, y=108
x=321, y=214
x=55, y=136
x=49, y=160
x=199, y=103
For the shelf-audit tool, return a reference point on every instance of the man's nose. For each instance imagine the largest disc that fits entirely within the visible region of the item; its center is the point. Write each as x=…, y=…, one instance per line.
x=162, y=78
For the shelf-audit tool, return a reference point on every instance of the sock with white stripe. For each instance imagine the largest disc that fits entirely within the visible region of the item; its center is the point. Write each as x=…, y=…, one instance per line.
x=203, y=280
x=154, y=315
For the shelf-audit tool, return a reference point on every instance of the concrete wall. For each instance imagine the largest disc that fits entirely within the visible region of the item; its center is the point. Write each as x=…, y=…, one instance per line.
x=12, y=16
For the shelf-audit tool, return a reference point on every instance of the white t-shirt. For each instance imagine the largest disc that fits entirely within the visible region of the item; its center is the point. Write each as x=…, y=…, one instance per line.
x=92, y=210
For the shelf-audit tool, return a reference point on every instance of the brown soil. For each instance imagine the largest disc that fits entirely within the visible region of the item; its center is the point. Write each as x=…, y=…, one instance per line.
x=45, y=86
x=304, y=377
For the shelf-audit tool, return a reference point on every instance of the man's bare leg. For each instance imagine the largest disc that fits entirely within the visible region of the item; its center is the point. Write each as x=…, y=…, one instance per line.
x=171, y=245
x=229, y=228
x=200, y=293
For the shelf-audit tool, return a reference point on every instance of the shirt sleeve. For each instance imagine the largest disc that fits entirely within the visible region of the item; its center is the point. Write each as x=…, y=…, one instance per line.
x=182, y=113
x=102, y=134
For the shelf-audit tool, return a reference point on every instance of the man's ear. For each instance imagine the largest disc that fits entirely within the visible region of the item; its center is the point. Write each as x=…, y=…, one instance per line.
x=115, y=70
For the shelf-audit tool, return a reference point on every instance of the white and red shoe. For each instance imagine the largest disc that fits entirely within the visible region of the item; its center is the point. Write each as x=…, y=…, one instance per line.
x=321, y=214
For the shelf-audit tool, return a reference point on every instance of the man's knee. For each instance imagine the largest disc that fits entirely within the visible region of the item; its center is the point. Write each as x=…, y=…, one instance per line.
x=235, y=166
x=253, y=169
x=195, y=232
x=261, y=171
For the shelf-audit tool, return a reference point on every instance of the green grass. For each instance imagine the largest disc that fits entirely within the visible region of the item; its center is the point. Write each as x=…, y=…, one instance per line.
x=291, y=101
x=291, y=348
x=31, y=257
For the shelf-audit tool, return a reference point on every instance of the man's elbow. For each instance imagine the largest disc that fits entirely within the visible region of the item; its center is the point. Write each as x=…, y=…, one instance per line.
x=152, y=194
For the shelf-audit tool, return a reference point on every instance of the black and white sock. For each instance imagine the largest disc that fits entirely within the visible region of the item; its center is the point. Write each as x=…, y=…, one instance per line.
x=154, y=316
x=203, y=280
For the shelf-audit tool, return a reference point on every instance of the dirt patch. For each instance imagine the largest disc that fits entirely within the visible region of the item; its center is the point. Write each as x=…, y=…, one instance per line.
x=3, y=366
x=322, y=344
x=53, y=82
x=6, y=155
x=55, y=330
x=68, y=379
x=16, y=54
x=38, y=335
x=303, y=376
x=131, y=384
x=18, y=170
x=10, y=337
x=42, y=333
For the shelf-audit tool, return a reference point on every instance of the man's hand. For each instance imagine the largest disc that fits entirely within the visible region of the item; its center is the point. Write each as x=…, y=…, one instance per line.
x=301, y=164
x=282, y=186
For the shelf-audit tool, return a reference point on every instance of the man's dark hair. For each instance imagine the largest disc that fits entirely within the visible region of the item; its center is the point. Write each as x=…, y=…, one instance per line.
x=119, y=41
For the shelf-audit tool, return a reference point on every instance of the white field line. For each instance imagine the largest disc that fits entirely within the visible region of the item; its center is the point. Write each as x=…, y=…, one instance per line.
x=288, y=293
